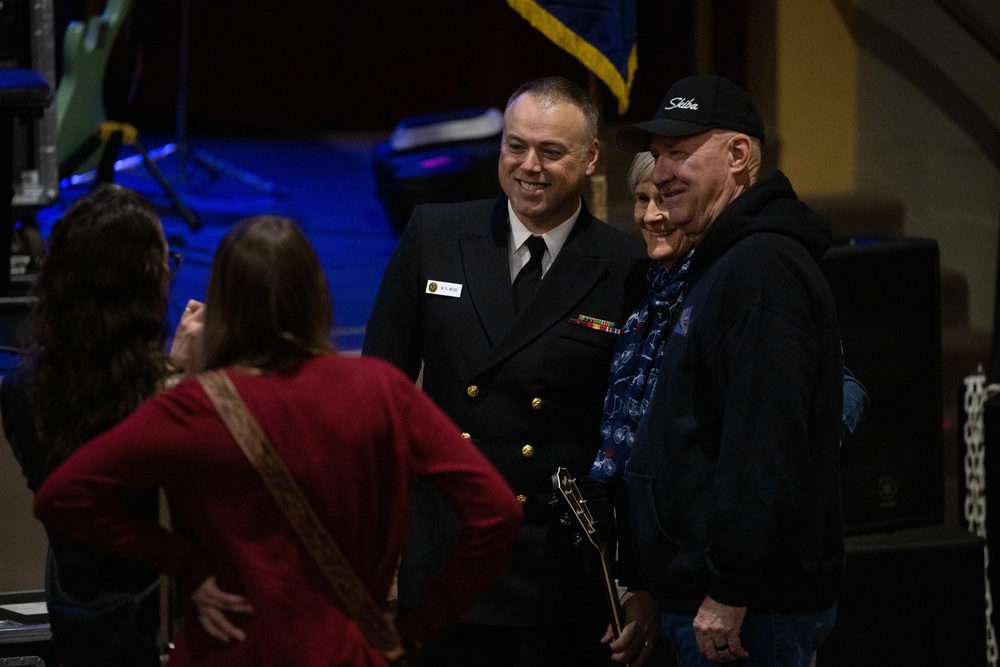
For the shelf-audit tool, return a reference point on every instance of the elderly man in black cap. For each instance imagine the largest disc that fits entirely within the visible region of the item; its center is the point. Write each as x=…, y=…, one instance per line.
x=734, y=478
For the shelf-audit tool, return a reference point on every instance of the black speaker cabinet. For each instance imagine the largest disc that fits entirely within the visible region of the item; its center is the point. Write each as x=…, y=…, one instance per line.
x=888, y=303
x=910, y=597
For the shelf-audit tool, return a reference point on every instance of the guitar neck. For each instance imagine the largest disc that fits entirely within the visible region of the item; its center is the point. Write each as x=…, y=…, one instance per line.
x=611, y=598
x=564, y=484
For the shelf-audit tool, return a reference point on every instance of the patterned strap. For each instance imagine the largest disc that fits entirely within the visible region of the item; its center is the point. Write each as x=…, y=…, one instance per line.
x=251, y=439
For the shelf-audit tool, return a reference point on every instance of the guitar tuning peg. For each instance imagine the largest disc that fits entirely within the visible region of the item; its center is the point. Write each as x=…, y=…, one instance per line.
x=565, y=520
x=555, y=498
x=577, y=540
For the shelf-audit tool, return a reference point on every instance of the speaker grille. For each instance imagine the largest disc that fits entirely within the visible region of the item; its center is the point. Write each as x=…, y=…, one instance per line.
x=888, y=302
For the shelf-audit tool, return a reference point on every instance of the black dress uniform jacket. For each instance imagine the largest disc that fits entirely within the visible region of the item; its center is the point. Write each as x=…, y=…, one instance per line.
x=528, y=390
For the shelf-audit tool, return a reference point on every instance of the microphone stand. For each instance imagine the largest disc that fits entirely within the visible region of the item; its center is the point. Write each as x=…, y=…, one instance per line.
x=185, y=155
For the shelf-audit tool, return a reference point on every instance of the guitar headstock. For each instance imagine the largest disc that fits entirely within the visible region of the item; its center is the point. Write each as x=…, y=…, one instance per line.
x=566, y=486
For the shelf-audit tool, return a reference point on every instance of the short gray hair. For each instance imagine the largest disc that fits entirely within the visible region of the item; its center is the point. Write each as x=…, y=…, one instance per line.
x=640, y=170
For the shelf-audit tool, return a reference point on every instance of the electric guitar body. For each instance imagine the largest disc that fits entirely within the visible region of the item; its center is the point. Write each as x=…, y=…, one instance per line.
x=79, y=97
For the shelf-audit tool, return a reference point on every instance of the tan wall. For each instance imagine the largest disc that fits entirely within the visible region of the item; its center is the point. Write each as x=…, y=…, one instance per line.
x=921, y=134
x=22, y=563
x=886, y=98
x=816, y=97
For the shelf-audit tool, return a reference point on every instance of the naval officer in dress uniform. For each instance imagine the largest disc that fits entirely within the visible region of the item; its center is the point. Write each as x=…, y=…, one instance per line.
x=511, y=307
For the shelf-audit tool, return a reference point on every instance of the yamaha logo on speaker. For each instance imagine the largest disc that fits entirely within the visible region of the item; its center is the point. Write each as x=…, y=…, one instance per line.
x=887, y=489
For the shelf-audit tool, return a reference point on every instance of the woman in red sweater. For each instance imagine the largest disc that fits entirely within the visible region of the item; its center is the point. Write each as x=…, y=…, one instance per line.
x=355, y=434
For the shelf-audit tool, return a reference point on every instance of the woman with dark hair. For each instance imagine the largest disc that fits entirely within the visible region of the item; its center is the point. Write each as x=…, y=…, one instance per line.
x=99, y=328
x=270, y=304
x=354, y=433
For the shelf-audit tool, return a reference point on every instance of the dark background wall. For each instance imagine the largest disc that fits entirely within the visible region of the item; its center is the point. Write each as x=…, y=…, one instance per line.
x=316, y=65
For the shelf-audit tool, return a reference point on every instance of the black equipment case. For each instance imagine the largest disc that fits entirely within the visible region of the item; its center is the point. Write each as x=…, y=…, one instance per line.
x=443, y=157
x=25, y=638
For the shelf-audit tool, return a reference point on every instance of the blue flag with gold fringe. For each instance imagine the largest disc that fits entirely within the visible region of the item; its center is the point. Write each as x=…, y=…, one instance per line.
x=598, y=33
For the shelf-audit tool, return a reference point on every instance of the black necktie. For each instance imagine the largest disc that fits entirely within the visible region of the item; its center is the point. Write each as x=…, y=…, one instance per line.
x=527, y=277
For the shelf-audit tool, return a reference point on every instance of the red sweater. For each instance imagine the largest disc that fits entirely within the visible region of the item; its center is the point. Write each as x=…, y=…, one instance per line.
x=355, y=433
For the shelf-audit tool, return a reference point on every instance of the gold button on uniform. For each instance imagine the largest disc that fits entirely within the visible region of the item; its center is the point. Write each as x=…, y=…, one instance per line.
x=521, y=498
x=467, y=436
x=472, y=390
x=527, y=451
x=536, y=403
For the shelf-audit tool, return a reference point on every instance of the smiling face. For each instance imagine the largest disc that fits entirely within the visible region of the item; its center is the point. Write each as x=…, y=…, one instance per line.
x=664, y=242
x=695, y=178
x=545, y=155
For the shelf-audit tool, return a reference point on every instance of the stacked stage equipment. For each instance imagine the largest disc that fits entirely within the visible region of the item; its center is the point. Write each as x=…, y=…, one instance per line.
x=909, y=576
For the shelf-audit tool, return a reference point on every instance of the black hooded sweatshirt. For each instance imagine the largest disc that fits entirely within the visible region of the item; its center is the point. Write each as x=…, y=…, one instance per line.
x=734, y=480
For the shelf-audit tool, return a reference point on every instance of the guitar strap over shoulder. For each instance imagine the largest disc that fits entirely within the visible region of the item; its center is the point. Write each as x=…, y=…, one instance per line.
x=352, y=594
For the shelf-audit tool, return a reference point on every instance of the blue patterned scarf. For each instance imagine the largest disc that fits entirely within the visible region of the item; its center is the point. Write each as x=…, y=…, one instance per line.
x=635, y=366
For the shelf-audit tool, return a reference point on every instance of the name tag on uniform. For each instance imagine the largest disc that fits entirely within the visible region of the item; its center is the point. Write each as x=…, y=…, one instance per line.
x=441, y=288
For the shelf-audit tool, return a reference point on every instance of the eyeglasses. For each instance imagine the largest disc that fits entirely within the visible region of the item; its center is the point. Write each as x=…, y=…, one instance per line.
x=174, y=260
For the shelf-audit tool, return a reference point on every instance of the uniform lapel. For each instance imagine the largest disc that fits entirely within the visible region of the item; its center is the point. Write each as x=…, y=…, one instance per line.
x=576, y=270
x=487, y=273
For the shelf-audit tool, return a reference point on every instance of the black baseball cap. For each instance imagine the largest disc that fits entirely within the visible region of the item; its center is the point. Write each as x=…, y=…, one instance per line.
x=694, y=105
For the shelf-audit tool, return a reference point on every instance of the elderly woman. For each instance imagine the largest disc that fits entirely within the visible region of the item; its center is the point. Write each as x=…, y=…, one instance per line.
x=635, y=362
x=355, y=434
x=634, y=369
